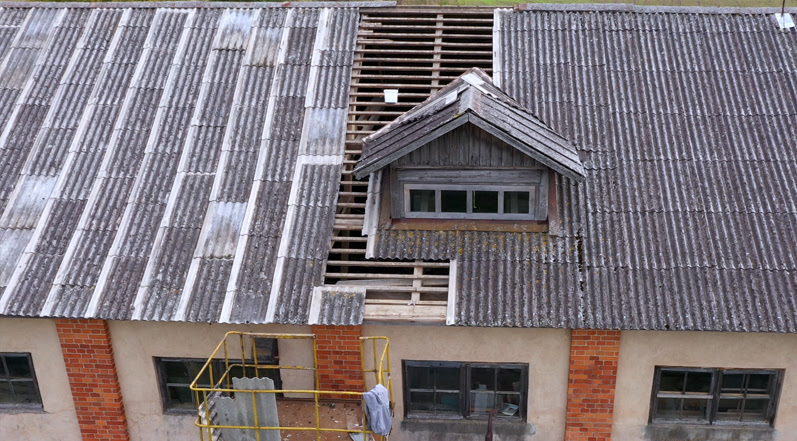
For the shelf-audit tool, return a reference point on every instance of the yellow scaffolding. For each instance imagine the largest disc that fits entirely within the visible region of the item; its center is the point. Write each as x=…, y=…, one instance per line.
x=245, y=352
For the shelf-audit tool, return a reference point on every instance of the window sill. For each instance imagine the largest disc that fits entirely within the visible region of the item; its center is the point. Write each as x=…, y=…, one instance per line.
x=180, y=412
x=704, y=432
x=21, y=409
x=469, y=225
x=512, y=429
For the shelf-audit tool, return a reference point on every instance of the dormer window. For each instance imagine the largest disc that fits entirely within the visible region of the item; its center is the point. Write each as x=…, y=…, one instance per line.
x=470, y=155
x=472, y=194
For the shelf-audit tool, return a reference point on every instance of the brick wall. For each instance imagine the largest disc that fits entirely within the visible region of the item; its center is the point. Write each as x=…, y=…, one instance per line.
x=86, y=345
x=339, y=361
x=591, y=384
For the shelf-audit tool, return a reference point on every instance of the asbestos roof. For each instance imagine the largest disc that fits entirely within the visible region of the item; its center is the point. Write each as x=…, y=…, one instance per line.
x=169, y=163
x=337, y=305
x=687, y=123
x=471, y=98
x=181, y=163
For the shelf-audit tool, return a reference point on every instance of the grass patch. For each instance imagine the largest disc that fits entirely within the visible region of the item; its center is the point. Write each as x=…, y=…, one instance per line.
x=703, y=3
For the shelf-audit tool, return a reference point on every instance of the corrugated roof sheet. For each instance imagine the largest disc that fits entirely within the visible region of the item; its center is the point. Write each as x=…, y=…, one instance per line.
x=337, y=306
x=149, y=156
x=195, y=179
x=687, y=123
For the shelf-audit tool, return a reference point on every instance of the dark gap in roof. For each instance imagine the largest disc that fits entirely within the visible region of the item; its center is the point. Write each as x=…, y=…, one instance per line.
x=418, y=53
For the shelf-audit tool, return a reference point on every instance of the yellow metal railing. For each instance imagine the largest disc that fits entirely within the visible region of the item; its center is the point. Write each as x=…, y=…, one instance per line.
x=246, y=359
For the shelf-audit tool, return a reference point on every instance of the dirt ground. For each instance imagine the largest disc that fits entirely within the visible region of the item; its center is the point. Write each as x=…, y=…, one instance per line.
x=334, y=414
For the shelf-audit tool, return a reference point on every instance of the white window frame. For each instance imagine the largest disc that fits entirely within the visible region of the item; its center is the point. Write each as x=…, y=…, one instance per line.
x=533, y=181
x=469, y=189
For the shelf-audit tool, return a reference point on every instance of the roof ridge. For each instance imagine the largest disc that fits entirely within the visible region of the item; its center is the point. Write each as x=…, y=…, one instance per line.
x=627, y=7
x=199, y=4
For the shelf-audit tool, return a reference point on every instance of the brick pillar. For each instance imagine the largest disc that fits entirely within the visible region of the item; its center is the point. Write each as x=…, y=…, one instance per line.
x=86, y=345
x=590, y=388
x=339, y=362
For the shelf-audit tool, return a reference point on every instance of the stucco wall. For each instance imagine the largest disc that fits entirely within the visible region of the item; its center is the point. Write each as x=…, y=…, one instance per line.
x=135, y=345
x=58, y=421
x=641, y=351
x=546, y=351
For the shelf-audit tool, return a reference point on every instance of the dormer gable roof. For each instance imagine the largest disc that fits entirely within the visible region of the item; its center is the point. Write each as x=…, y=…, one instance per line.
x=471, y=98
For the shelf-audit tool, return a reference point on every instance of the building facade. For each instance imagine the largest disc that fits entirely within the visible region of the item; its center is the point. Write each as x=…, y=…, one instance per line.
x=580, y=217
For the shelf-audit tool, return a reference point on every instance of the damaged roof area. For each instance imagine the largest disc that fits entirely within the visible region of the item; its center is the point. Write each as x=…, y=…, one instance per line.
x=183, y=164
x=170, y=163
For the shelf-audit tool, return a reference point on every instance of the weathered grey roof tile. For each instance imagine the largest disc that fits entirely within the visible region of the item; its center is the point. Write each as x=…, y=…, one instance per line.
x=337, y=306
x=136, y=225
x=686, y=202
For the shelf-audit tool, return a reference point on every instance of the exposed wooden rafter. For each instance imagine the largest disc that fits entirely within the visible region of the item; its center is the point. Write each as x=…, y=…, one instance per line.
x=417, y=51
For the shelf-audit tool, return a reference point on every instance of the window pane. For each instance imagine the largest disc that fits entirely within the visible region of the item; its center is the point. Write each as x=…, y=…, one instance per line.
x=668, y=408
x=25, y=392
x=2, y=369
x=270, y=373
x=447, y=402
x=481, y=400
x=507, y=398
x=267, y=350
x=516, y=202
x=758, y=384
x=453, y=201
x=732, y=383
x=485, y=202
x=729, y=410
x=698, y=382
x=755, y=410
x=420, y=377
x=672, y=381
x=695, y=409
x=422, y=201
x=508, y=404
x=18, y=366
x=423, y=401
x=181, y=397
x=6, y=397
x=192, y=368
x=446, y=378
x=509, y=380
x=177, y=372
x=237, y=372
x=482, y=379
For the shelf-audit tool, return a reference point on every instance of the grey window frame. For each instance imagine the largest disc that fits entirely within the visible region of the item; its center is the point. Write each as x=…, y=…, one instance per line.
x=715, y=395
x=7, y=379
x=164, y=386
x=218, y=367
x=465, y=369
x=532, y=180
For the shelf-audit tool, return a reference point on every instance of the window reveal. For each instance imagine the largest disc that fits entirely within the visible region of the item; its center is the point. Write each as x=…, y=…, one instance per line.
x=18, y=386
x=715, y=396
x=470, y=194
x=453, y=390
x=176, y=374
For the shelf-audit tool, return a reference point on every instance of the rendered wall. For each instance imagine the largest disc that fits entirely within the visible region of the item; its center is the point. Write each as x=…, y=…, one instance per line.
x=547, y=352
x=641, y=351
x=135, y=345
x=58, y=421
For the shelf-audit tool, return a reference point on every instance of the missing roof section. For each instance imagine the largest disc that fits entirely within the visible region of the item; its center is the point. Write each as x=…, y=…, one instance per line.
x=417, y=50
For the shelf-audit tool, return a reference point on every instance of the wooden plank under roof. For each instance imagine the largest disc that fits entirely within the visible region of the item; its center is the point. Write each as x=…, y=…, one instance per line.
x=417, y=50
